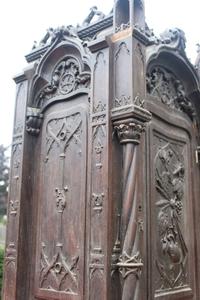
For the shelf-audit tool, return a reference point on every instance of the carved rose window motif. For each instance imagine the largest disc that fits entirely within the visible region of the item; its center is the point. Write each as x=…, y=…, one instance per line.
x=171, y=248
x=67, y=77
x=163, y=84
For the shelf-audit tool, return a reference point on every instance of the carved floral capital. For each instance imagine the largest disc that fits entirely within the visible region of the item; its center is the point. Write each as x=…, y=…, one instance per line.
x=129, y=132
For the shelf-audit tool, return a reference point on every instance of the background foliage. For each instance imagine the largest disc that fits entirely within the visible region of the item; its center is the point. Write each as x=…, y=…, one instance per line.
x=4, y=179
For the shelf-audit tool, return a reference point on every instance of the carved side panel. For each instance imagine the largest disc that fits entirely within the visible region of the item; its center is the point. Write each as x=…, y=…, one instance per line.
x=60, y=248
x=172, y=250
x=99, y=99
x=172, y=236
x=122, y=73
x=10, y=268
x=98, y=197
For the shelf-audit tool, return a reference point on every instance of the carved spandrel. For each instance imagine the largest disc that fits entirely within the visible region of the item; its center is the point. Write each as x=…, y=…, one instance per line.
x=172, y=252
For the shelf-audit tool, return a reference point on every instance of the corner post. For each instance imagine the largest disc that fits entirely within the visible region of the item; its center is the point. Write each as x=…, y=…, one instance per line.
x=129, y=118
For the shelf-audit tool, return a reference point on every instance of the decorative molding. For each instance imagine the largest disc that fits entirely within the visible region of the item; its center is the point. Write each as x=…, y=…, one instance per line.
x=122, y=101
x=98, y=120
x=170, y=185
x=59, y=273
x=164, y=85
x=130, y=265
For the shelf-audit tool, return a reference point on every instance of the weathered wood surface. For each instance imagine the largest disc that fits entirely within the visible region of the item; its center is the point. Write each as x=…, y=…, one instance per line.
x=104, y=184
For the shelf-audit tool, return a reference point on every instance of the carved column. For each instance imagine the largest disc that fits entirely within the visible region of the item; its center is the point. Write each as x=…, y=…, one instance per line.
x=129, y=128
x=11, y=260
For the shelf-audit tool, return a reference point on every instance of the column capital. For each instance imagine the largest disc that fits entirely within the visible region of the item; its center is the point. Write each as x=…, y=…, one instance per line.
x=129, y=122
x=128, y=131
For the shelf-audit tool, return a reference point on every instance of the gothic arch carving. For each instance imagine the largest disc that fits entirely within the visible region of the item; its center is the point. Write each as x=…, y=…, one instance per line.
x=62, y=73
x=171, y=78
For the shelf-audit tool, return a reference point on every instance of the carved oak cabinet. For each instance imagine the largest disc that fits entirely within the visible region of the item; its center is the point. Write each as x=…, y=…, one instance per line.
x=104, y=193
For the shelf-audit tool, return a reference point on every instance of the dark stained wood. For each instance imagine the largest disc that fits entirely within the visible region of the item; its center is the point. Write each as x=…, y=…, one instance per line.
x=104, y=186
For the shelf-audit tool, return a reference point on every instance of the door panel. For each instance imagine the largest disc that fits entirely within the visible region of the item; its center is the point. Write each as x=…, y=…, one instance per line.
x=172, y=252
x=61, y=225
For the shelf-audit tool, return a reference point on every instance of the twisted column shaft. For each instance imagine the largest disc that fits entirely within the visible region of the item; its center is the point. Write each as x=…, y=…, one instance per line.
x=130, y=263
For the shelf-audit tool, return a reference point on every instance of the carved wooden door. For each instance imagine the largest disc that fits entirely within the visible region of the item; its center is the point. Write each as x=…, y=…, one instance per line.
x=62, y=203
x=171, y=204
